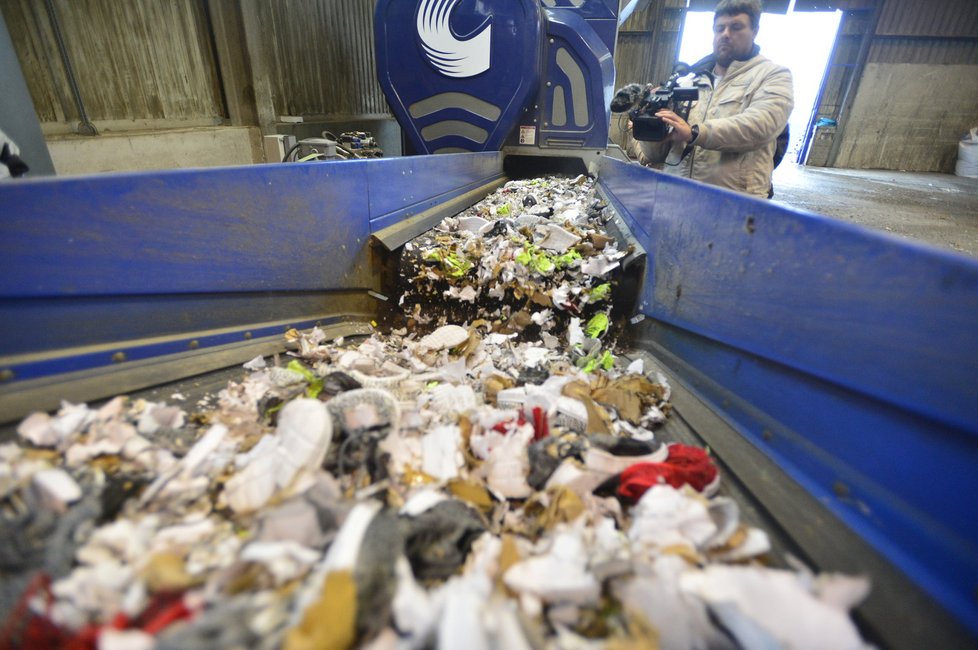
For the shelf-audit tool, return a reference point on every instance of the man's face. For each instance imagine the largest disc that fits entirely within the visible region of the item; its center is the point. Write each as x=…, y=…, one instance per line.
x=733, y=38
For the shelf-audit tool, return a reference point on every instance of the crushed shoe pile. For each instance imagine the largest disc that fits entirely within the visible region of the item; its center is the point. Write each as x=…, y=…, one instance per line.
x=486, y=475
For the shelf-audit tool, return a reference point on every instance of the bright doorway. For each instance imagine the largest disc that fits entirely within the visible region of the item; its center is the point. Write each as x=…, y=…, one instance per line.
x=801, y=40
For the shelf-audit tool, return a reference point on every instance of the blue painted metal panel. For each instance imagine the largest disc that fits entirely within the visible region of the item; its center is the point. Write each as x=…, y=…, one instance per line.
x=484, y=88
x=589, y=9
x=140, y=351
x=601, y=15
x=570, y=33
x=863, y=346
x=423, y=182
x=213, y=230
x=116, y=257
x=488, y=51
x=30, y=325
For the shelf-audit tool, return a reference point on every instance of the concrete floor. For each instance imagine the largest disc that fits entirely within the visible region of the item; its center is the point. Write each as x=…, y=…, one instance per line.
x=939, y=209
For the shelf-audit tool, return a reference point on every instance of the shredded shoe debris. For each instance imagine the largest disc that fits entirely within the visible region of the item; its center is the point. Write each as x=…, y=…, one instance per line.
x=484, y=474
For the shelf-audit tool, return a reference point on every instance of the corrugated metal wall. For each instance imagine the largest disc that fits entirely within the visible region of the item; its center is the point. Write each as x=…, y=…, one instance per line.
x=134, y=60
x=918, y=90
x=648, y=42
x=940, y=18
x=321, y=57
x=153, y=61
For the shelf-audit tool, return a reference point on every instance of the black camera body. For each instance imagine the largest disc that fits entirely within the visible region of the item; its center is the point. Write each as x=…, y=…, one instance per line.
x=646, y=126
x=643, y=103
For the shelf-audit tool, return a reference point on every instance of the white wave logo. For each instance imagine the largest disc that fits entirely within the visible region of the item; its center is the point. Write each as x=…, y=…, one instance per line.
x=452, y=56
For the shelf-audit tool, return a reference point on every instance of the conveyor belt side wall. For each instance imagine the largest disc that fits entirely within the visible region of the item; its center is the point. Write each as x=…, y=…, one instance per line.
x=101, y=272
x=848, y=356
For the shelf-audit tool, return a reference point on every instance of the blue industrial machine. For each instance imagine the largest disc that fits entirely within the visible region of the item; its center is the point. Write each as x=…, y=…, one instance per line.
x=831, y=369
x=482, y=76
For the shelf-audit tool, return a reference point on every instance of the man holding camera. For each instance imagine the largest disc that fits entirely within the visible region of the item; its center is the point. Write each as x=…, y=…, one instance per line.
x=744, y=102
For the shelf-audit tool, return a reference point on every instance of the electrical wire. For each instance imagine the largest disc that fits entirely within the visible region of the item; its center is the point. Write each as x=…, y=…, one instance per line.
x=291, y=151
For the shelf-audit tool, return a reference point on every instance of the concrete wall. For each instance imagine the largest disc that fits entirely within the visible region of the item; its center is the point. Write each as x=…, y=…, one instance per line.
x=902, y=86
x=910, y=117
x=170, y=149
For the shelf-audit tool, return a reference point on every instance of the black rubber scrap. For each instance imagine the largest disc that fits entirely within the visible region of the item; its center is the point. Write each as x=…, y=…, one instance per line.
x=438, y=540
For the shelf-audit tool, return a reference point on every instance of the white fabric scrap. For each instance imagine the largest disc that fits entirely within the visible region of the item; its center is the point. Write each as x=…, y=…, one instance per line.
x=560, y=576
x=681, y=619
x=598, y=266
x=575, y=333
x=665, y=517
x=542, y=317
x=258, y=363
x=534, y=356
x=442, y=458
x=56, y=489
x=422, y=501
x=284, y=560
x=553, y=237
x=778, y=602
x=112, y=639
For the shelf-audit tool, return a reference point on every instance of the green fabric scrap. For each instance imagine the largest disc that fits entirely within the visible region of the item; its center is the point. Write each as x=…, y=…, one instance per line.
x=597, y=326
x=567, y=259
x=543, y=265
x=456, y=266
x=536, y=259
x=593, y=361
x=600, y=292
x=453, y=265
x=315, y=383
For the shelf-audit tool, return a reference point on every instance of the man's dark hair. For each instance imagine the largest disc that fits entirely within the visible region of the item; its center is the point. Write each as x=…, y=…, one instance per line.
x=735, y=7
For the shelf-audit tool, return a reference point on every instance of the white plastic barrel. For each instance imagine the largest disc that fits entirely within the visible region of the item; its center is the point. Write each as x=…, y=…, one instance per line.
x=968, y=155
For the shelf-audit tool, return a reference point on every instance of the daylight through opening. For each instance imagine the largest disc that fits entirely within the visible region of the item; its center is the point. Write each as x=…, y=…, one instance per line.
x=800, y=40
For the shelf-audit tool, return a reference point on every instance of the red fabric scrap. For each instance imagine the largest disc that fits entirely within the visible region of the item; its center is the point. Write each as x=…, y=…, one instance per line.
x=541, y=424
x=685, y=465
x=39, y=632
x=506, y=426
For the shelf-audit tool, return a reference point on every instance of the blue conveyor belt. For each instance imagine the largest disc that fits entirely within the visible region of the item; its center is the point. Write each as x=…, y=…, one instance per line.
x=847, y=357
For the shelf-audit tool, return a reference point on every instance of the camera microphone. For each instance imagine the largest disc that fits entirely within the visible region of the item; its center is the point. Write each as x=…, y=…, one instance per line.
x=626, y=98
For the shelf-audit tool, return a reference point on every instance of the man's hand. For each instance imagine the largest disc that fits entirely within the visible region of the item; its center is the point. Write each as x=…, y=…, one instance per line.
x=681, y=131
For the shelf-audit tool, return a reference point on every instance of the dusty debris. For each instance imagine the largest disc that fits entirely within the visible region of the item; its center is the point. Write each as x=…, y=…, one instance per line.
x=486, y=473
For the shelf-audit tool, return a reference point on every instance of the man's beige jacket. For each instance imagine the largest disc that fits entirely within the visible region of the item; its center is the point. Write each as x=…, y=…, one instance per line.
x=739, y=121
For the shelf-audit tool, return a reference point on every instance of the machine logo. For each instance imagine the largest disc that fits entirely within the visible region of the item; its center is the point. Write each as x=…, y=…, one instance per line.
x=452, y=56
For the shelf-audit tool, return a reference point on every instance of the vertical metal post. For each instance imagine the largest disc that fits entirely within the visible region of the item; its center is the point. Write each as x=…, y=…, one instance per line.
x=85, y=127
x=255, y=43
x=227, y=29
x=849, y=98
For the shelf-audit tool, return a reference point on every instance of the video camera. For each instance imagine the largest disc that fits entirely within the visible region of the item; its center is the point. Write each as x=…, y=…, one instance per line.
x=643, y=103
